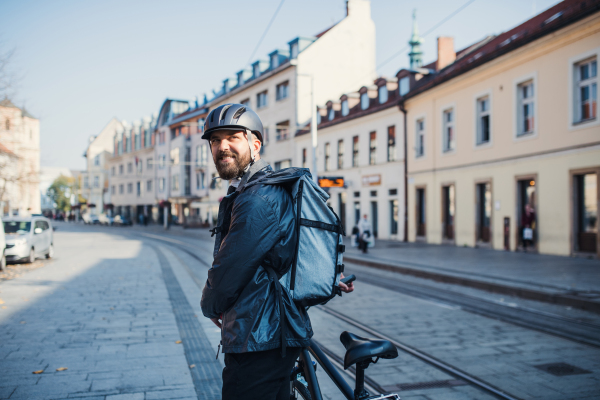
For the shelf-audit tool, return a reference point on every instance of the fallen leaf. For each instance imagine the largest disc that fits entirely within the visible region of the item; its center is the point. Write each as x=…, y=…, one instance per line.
x=38, y=372
x=192, y=366
x=178, y=342
x=62, y=369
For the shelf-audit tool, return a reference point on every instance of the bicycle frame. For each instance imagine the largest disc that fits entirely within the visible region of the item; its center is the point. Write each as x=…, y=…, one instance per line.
x=330, y=370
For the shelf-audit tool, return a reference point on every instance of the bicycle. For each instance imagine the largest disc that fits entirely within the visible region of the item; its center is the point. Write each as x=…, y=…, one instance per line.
x=359, y=351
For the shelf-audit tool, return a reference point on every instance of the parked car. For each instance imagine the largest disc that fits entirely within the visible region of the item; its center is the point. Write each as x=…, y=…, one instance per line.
x=122, y=220
x=2, y=246
x=28, y=238
x=90, y=219
x=106, y=219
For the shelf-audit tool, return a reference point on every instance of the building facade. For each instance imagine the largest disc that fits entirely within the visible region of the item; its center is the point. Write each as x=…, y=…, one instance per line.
x=132, y=175
x=95, y=180
x=504, y=137
x=20, y=161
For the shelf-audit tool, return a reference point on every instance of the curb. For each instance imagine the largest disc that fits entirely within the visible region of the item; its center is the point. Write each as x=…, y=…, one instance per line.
x=563, y=299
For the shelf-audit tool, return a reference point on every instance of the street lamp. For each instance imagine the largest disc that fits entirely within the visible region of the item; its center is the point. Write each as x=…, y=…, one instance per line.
x=313, y=119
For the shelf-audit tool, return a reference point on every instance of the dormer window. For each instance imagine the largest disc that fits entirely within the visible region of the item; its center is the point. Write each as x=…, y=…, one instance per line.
x=274, y=61
x=345, y=108
x=256, y=70
x=404, y=86
x=331, y=114
x=364, y=101
x=318, y=118
x=294, y=50
x=383, y=94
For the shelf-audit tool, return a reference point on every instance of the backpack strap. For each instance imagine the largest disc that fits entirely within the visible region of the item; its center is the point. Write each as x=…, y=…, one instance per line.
x=282, y=317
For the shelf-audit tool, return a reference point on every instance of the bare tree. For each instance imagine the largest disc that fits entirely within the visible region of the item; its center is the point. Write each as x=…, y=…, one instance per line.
x=8, y=79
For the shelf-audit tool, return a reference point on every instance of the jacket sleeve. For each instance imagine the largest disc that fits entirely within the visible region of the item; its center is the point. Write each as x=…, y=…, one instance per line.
x=254, y=230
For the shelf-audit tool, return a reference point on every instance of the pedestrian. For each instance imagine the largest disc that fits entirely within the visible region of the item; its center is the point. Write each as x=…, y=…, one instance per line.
x=365, y=230
x=528, y=225
x=255, y=229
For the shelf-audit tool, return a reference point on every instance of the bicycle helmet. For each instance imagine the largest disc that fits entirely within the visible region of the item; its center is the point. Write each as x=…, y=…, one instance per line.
x=233, y=117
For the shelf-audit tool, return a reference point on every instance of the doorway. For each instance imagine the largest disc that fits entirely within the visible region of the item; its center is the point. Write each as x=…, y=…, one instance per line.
x=448, y=211
x=342, y=208
x=527, y=213
x=420, y=212
x=483, y=209
x=586, y=212
x=374, y=218
x=356, y=213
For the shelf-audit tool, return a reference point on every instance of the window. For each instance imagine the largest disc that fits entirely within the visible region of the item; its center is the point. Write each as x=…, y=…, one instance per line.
x=391, y=145
x=129, y=168
x=282, y=91
x=97, y=160
x=586, y=76
x=112, y=171
x=383, y=94
x=7, y=124
x=345, y=108
x=282, y=131
x=355, y=151
x=202, y=155
x=327, y=156
x=294, y=50
x=138, y=188
x=139, y=164
x=364, y=101
x=318, y=117
x=112, y=189
x=138, y=140
x=245, y=103
x=261, y=99
x=130, y=188
x=96, y=181
x=525, y=108
x=372, y=148
x=147, y=138
x=304, y=157
x=394, y=217
x=175, y=156
x=282, y=164
x=175, y=182
x=149, y=185
x=161, y=185
x=340, y=158
x=404, y=86
x=200, y=180
x=274, y=61
x=483, y=120
x=449, y=138
x=121, y=188
x=420, y=138
x=149, y=163
x=162, y=161
x=128, y=144
x=331, y=113
x=86, y=182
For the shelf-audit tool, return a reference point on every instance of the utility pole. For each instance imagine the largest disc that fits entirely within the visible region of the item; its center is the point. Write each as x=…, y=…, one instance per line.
x=313, y=128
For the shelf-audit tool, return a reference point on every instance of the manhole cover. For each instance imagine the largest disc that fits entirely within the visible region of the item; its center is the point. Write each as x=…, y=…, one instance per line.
x=424, y=385
x=562, y=369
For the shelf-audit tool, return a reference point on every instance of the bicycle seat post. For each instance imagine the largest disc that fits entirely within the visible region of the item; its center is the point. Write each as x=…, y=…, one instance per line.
x=360, y=392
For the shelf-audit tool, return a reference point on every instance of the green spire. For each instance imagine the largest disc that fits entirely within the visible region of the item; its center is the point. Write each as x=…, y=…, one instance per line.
x=415, y=55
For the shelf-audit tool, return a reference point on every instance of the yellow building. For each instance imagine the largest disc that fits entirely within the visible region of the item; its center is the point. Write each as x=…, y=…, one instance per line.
x=508, y=124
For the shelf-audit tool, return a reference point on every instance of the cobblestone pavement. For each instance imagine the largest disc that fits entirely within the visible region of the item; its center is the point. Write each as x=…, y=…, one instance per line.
x=114, y=303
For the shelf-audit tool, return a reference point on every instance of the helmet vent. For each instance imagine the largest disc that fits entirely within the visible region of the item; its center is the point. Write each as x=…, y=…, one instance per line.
x=211, y=117
x=239, y=112
x=224, y=112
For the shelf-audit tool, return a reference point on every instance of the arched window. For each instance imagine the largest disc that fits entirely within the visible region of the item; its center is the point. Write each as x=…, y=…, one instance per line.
x=331, y=114
x=364, y=101
x=383, y=94
x=345, y=108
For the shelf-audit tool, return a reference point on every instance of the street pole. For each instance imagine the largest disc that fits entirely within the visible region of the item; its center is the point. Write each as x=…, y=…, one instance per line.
x=313, y=128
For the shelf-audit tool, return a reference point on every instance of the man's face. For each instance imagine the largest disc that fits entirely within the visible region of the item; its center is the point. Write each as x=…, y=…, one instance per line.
x=230, y=153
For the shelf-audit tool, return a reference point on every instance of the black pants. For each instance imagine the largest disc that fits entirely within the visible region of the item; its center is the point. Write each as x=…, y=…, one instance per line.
x=260, y=375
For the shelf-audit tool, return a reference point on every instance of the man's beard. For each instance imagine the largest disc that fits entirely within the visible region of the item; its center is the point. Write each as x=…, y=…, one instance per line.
x=233, y=169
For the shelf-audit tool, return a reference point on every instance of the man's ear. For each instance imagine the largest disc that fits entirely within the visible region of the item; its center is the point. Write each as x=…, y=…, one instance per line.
x=257, y=146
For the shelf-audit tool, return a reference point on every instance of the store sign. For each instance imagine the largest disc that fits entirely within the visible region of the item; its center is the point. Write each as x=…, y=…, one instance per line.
x=371, y=180
x=331, y=181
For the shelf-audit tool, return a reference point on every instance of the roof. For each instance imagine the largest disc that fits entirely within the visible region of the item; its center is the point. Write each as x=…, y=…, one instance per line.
x=557, y=17
x=7, y=103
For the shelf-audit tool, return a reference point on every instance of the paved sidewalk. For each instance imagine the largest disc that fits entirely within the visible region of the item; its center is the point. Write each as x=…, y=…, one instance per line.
x=104, y=310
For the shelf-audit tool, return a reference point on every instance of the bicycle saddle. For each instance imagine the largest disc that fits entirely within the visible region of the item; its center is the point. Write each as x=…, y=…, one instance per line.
x=359, y=348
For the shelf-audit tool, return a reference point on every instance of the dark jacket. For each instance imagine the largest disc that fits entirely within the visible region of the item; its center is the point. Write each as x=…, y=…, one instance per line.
x=255, y=232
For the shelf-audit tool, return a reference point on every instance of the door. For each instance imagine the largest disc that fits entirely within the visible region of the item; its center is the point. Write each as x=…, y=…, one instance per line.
x=356, y=213
x=374, y=218
x=586, y=213
x=448, y=210
x=342, y=208
x=483, y=212
x=420, y=211
x=526, y=216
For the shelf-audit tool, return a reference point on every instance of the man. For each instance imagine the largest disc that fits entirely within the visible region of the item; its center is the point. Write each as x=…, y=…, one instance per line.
x=365, y=230
x=255, y=233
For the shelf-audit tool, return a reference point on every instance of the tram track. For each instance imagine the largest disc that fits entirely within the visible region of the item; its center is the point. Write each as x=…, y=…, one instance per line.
x=465, y=302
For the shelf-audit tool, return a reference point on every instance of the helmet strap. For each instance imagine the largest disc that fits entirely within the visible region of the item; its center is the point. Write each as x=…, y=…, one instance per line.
x=250, y=141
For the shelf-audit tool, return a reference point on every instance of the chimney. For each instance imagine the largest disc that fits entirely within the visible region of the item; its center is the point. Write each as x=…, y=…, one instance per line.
x=446, y=54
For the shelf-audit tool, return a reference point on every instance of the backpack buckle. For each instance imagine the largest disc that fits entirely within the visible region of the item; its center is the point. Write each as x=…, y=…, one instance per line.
x=214, y=231
x=341, y=248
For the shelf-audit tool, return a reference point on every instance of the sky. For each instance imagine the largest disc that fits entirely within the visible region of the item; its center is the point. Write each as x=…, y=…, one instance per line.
x=81, y=63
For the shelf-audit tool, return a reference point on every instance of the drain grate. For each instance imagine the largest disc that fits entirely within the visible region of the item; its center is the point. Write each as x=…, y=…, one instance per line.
x=424, y=385
x=561, y=369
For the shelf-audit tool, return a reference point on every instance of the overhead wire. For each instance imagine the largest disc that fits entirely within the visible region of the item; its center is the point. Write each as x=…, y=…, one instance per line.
x=265, y=32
